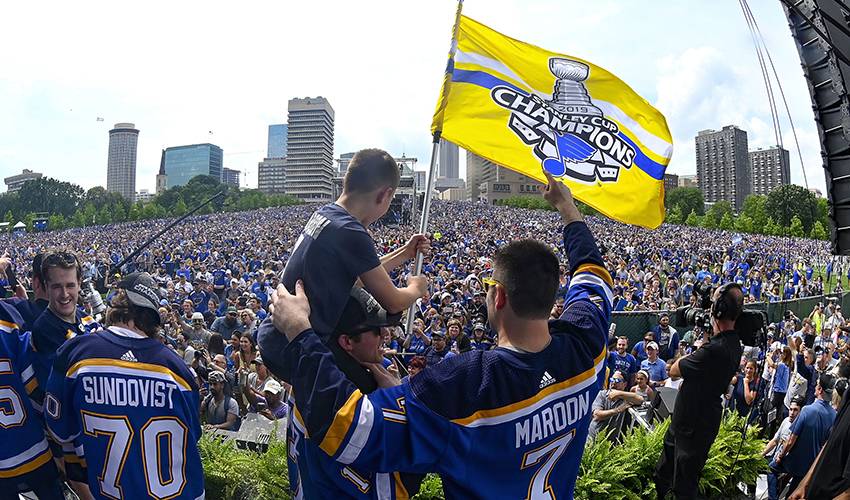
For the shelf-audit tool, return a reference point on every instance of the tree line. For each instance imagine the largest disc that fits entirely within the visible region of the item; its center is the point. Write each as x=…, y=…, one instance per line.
x=69, y=205
x=789, y=210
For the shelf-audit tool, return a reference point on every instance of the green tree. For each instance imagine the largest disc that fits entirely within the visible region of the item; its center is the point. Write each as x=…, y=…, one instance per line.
x=688, y=198
x=709, y=222
x=796, y=227
x=119, y=214
x=179, y=207
x=718, y=210
x=755, y=210
x=55, y=222
x=9, y=218
x=818, y=231
x=744, y=224
x=785, y=202
x=823, y=212
x=135, y=211
x=104, y=216
x=772, y=228
x=89, y=214
x=49, y=195
x=79, y=219
x=674, y=216
x=693, y=219
x=29, y=218
x=726, y=222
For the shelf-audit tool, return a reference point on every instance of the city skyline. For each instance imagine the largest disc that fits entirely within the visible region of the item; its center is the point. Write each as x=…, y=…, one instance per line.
x=64, y=90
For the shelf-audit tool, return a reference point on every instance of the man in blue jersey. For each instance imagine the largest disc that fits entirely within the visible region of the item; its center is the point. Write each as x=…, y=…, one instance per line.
x=26, y=462
x=312, y=473
x=130, y=402
x=62, y=319
x=506, y=423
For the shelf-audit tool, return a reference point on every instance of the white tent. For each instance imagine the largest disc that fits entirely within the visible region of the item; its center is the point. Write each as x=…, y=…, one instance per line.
x=20, y=227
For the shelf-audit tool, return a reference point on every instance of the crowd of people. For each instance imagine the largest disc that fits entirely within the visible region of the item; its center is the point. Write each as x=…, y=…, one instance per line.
x=215, y=276
x=806, y=365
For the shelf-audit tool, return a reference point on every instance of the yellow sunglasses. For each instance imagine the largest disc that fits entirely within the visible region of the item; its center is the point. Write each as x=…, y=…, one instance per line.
x=489, y=282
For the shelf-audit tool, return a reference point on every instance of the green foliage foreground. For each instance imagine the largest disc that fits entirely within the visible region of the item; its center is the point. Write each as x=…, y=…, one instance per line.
x=624, y=470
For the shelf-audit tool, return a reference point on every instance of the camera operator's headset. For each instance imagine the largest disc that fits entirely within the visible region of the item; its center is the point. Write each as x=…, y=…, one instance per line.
x=723, y=305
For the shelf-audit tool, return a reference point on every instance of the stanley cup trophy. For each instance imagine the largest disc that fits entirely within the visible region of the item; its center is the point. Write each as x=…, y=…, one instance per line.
x=570, y=97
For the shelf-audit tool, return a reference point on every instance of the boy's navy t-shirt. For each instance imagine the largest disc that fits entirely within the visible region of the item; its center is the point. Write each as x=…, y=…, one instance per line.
x=334, y=249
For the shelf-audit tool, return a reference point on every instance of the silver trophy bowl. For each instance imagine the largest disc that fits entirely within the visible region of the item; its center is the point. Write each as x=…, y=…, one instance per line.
x=570, y=95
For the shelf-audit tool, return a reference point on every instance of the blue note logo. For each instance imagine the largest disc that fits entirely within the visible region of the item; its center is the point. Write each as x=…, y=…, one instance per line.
x=568, y=132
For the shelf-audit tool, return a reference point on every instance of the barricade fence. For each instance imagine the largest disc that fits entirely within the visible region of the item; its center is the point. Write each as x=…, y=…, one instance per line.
x=634, y=324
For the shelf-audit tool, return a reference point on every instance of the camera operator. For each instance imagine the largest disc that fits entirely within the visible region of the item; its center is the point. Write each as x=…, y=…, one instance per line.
x=696, y=418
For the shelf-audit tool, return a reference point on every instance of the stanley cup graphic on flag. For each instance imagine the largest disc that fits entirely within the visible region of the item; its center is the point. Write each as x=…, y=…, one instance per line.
x=529, y=109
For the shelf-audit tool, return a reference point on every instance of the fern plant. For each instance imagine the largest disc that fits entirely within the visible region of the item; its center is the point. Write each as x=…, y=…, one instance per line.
x=623, y=471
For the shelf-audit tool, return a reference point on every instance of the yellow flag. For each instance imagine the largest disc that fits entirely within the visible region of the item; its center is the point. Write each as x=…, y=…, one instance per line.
x=529, y=109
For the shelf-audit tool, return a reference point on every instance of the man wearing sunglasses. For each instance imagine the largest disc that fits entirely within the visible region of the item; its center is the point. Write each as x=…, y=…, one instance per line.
x=510, y=422
x=312, y=473
x=609, y=404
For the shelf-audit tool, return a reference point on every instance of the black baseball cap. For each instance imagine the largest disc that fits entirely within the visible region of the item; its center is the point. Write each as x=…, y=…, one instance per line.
x=363, y=313
x=142, y=290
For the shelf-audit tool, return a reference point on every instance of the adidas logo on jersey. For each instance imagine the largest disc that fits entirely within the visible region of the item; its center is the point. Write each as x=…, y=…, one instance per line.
x=547, y=380
x=129, y=356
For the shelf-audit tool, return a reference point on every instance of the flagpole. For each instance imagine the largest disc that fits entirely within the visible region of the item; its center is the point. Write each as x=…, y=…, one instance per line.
x=435, y=154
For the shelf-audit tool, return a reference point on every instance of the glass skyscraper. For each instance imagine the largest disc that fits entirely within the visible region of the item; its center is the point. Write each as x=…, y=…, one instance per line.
x=277, y=141
x=184, y=162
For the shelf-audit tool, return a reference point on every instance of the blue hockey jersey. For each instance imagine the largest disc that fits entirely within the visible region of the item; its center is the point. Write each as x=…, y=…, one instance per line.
x=49, y=332
x=313, y=474
x=131, y=406
x=493, y=424
x=25, y=453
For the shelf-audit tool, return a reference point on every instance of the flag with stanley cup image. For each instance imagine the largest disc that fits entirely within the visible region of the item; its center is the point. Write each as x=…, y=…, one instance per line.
x=531, y=110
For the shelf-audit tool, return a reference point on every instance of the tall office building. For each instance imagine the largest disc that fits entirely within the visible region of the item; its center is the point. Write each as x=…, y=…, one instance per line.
x=121, y=163
x=449, y=167
x=309, y=149
x=771, y=168
x=184, y=162
x=14, y=182
x=342, y=163
x=230, y=176
x=277, y=141
x=487, y=181
x=271, y=176
x=723, y=165
x=161, y=178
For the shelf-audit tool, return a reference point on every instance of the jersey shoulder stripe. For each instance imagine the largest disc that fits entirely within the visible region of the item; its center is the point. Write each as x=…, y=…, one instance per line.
x=552, y=392
x=596, y=270
x=8, y=326
x=341, y=424
x=107, y=365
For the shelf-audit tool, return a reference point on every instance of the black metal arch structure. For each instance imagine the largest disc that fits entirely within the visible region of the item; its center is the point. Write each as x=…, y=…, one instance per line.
x=821, y=30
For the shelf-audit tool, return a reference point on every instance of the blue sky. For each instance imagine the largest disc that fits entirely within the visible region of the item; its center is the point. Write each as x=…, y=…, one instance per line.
x=179, y=70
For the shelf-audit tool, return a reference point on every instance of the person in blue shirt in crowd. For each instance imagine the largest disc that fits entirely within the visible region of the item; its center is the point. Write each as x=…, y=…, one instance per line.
x=639, y=350
x=655, y=366
x=808, y=434
x=622, y=361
